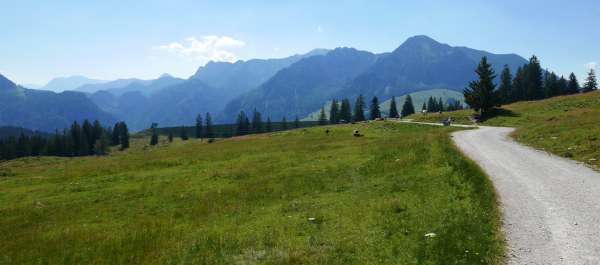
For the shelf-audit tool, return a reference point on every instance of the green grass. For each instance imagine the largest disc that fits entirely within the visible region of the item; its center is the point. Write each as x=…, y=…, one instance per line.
x=248, y=200
x=568, y=126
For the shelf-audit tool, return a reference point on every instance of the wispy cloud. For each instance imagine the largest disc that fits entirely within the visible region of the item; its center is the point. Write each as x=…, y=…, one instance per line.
x=320, y=29
x=591, y=65
x=207, y=48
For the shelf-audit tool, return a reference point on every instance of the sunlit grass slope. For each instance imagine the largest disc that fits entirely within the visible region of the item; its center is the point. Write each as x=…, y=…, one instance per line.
x=295, y=197
x=568, y=126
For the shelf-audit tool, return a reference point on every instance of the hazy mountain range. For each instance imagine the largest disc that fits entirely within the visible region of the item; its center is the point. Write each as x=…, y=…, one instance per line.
x=292, y=86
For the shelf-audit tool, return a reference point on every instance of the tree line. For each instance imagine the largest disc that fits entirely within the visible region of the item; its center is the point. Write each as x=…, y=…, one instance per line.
x=78, y=140
x=203, y=128
x=530, y=82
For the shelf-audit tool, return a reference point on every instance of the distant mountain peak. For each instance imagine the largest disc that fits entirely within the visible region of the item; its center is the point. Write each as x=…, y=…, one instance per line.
x=165, y=75
x=421, y=42
x=5, y=83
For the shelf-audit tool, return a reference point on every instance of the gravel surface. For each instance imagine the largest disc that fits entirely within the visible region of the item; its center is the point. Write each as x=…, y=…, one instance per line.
x=551, y=205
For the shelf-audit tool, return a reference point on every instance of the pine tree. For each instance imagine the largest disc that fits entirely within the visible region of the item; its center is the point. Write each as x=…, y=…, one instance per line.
x=334, y=112
x=359, y=109
x=116, y=134
x=183, y=133
x=440, y=105
x=124, y=136
x=256, y=122
x=573, y=85
x=198, y=127
x=562, y=86
x=534, y=88
x=87, y=136
x=374, y=111
x=154, y=137
x=518, y=85
x=393, y=113
x=408, y=108
x=431, y=105
x=97, y=131
x=170, y=136
x=505, y=89
x=76, y=138
x=345, y=111
x=284, y=124
x=101, y=144
x=242, y=124
x=480, y=94
x=269, y=125
x=424, y=107
x=297, y=122
x=322, y=117
x=551, y=85
x=590, y=82
x=209, y=126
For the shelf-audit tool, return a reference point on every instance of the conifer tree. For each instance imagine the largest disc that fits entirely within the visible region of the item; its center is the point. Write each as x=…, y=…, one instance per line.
x=431, y=105
x=505, y=88
x=101, y=144
x=124, y=136
x=76, y=138
x=440, y=105
x=322, y=117
x=242, y=124
x=551, y=85
x=170, y=136
x=534, y=88
x=359, y=109
x=269, y=125
x=408, y=108
x=374, y=110
x=209, y=126
x=518, y=85
x=256, y=122
x=424, y=107
x=562, y=86
x=297, y=122
x=183, y=133
x=334, y=112
x=154, y=137
x=116, y=134
x=590, y=82
x=393, y=113
x=573, y=85
x=284, y=124
x=480, y=94
x=345, y=111
x=198, y=126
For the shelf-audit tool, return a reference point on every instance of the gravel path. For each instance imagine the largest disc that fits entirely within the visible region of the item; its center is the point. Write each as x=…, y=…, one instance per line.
x=551, y=205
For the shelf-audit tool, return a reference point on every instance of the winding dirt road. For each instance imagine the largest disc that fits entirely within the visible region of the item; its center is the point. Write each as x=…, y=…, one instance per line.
x=551, y=205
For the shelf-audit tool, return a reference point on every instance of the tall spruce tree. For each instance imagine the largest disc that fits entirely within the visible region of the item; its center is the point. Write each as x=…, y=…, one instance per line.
x=551, y=85
x=431, y=105
x=573, y=85
x=269, y=125
x=183, y=133
x=505, y=88
x=518, y=85
x=256, y=122
x=374, y=111
x=198, y=126
x=154, y=137
x=424, y=107
x=116, y=134
x=124, y=137
x=322, y=117
x=440, y=105
x=334, y=112
x=591, y=83
x=359, y=109
x=534, y=87
x=297, y=122
x=242, y=124
x=480, y=94
x=562, y=85
x=346, y=111
x=170, y=137
x=209, y=126
x=408, y=108
x=393, y=113
x=76, y=136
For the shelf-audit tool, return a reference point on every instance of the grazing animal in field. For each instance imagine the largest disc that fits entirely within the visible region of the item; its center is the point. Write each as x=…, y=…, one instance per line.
x=356, y=133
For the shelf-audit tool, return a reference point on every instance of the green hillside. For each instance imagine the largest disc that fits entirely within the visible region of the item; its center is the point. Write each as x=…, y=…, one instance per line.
x=568, y=126
x=293, y=197
x=417, y=97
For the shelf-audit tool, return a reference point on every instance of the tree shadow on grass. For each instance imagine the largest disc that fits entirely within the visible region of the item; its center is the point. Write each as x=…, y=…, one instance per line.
x=498, y=112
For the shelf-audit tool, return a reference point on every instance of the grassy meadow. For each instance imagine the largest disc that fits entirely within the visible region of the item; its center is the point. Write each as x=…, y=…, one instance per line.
x=291, y=197
x=568, y=126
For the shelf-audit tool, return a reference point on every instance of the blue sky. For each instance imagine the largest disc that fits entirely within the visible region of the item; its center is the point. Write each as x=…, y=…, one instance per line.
x=118, y=39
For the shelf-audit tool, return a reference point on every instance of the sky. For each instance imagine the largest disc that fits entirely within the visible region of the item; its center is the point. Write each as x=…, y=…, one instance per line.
x=110, y=39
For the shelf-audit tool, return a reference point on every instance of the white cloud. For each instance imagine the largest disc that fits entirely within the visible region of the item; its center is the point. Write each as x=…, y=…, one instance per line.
x=591, y=65
x=207, y=48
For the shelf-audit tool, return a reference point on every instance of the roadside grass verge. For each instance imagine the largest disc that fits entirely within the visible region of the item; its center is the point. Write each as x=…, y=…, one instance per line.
x=292, y=197
x=568, y=126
